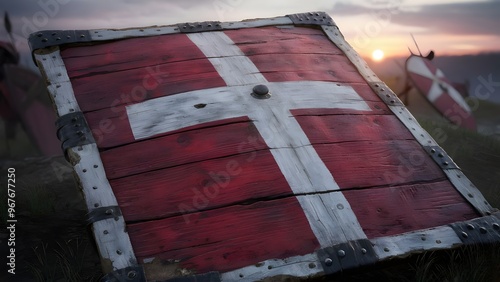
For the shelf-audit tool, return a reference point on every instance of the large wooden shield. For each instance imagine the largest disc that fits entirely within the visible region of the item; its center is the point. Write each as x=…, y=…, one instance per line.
x=248, y=150
x=439, y=91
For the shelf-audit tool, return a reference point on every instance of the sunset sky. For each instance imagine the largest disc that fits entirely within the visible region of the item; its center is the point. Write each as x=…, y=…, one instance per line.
x=449, y=27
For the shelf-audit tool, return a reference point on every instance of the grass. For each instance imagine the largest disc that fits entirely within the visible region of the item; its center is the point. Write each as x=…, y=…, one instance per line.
x=64, y=263
x=470, y=263
x=39, y=201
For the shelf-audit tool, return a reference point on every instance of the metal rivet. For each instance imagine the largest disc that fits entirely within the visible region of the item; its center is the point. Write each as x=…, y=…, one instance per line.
x=465, y=235
x=39, y=34
x=363, y=251
x=58, y=38
x=82, y=35
x=96, y=166
x=95, y=187
x=440, y=155
x=45, y=40
x=261, y=92
x=483, y=230
x=96, y=205
x=312, y=265
x=438, y=241
x=105, y=232
x=341, y=253
x=119, y=252
x=328, y=262
x=376, y=85
x=386, y=249
x=496, y=226
x=68, y=37
x=470, y=226
x=470, y=195
x=446, y=163
x=109, y=211
x=132, y=274
x=423, y=238
x=392, y=101
x=270, y=267
x=83, y=138
x=84, y=170
x=340, y=206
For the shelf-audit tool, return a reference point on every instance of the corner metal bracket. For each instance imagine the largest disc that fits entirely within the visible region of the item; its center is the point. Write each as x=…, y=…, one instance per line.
x=483, y=230
x=73, y=130
x=48, y=38
x=347, y=256
x=312, y=18
x=206, y=277
x=441, y=157
x=128, y=274
x=103, y=213
x=199, y=27
x=385, y=94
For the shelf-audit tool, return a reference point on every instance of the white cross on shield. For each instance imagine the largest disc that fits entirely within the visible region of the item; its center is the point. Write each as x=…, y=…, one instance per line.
x=300, y=164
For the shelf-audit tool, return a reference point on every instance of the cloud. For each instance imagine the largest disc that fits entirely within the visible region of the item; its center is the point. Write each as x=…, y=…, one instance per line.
x=470, y=18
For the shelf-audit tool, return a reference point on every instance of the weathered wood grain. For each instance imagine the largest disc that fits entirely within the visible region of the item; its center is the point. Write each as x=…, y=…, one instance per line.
x=181, y=148
x=227, y=238
x=378, y=163
x=210, y=184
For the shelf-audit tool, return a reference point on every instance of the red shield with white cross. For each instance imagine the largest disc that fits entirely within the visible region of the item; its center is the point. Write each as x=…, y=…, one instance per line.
x=232, y=147
x=439, y=91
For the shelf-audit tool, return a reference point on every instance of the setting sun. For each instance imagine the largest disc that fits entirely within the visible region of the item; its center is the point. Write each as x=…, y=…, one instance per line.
x=378, y=55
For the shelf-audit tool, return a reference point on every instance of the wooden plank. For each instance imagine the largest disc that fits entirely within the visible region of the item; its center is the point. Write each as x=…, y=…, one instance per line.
x=228, y=238
x=343, y=128
x=213, y=183
x=378, y=163
x=398, y=209
x=112, y=90
x=129, y=54
x=181, y=148
x=278, y=40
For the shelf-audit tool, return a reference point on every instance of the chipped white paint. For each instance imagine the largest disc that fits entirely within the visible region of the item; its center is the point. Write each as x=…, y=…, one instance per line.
x=298, y=266
x=298, y=161
x=112, y=240
x=443, y=237
x=439, y=86
x=58, y=84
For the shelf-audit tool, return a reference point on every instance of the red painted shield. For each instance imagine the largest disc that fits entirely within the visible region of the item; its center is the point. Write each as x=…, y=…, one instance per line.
x=234, y=149
x=434, y=85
